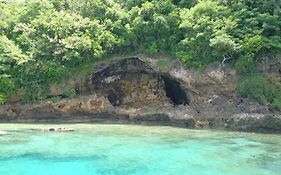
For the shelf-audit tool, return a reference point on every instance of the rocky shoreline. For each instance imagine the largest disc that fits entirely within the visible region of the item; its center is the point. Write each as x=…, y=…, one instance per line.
x=138, y=90
x=249, y=122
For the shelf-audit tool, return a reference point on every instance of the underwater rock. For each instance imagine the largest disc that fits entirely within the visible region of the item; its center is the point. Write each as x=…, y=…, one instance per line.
x=255, y=122
x=57, y=129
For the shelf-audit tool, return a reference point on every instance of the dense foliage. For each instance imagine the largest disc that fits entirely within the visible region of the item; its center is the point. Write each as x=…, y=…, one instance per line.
x=261, y=88
x=44, y=40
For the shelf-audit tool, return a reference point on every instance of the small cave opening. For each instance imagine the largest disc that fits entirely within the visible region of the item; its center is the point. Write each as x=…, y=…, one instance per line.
x=175, y=92
x=114, y=96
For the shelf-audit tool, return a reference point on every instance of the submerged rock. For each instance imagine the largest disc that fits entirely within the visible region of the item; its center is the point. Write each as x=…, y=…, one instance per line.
x=57, y=130
x=255, y=122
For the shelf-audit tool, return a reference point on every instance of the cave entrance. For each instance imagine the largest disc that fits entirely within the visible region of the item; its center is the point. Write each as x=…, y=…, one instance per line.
x=114, y=96
x=133, y=83
x=175, y=92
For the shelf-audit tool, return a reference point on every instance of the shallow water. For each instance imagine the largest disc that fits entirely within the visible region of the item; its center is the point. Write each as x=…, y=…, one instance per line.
x=138, y=150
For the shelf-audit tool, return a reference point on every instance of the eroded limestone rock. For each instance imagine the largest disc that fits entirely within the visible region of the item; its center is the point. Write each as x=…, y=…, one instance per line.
x=135, y=90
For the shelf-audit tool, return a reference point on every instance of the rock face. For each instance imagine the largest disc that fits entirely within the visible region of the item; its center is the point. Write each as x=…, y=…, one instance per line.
x=255, y=122
x=138, y=90
x=133, y=83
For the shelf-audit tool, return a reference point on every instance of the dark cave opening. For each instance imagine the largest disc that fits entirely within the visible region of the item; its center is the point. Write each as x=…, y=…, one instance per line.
x=114, y=97
x=175, y=92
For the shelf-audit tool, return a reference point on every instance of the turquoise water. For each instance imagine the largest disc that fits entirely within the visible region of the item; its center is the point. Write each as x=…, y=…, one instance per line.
x=136, y=150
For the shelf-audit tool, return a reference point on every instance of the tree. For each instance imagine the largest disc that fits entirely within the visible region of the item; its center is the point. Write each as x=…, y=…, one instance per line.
x=155, y=26
x=11, y=58
x=208, y=37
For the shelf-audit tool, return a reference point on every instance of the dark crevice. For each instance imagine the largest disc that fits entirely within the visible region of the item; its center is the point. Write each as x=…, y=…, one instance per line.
x=175, y=92
x=114, y=97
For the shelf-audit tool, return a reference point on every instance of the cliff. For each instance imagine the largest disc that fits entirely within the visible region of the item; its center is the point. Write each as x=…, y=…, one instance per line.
x=153, y=91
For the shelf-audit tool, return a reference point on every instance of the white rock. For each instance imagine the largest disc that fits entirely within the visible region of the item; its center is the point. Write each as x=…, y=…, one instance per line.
x=3, y=133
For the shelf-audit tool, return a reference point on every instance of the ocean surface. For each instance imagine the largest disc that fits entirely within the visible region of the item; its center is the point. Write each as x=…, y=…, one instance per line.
x=94, y=149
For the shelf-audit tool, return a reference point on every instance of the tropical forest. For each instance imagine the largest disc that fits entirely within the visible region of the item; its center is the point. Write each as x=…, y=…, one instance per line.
x=140, y=87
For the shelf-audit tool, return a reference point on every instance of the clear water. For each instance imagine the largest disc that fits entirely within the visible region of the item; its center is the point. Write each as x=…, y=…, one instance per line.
x=136, y=150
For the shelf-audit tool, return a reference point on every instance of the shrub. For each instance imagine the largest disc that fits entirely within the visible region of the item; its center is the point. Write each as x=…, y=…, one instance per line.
x=35, y=91
x=3, y=99
x=7, y=88
x=258, y=87
x=245, y=64
x=277, y=102
x=164, y=65
x=70, y=93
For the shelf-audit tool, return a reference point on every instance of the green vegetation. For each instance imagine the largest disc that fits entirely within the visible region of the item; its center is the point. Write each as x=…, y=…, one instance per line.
x=44, y=41
x=261, y=88
x=164, y=65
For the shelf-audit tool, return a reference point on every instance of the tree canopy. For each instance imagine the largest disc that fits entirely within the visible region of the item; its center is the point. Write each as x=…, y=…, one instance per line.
x=44, y=40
